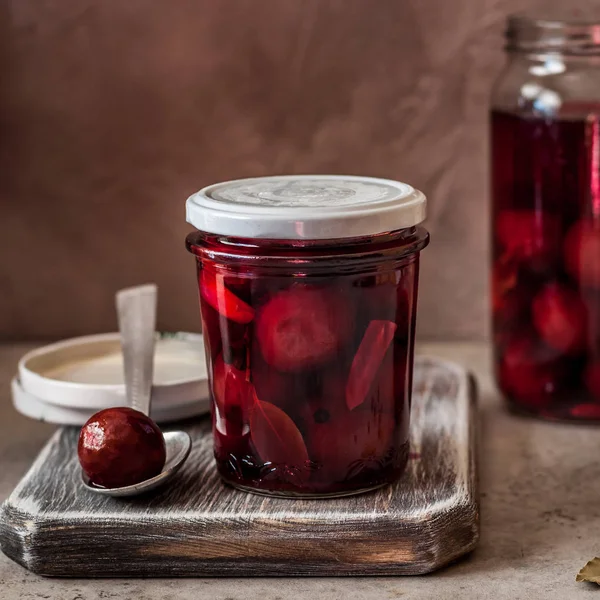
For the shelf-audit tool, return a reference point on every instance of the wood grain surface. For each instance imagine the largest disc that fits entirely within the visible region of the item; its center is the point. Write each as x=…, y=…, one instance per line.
x=53, y=526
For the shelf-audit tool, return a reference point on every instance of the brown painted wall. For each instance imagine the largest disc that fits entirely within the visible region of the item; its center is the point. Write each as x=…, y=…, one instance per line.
x=112, y=112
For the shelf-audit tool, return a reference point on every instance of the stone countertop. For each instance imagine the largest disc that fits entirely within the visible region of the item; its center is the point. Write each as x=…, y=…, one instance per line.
x=540, y=506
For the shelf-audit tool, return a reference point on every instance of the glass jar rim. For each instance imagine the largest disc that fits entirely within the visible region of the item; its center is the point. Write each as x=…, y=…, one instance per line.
x=569, y=33
x=309, y=255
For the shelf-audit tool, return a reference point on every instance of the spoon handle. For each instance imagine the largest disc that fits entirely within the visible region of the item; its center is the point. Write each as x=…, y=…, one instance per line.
x=136, y=310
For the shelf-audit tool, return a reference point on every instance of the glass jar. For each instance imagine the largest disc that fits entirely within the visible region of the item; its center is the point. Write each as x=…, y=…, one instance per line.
x=308, y=288
x=545, y=136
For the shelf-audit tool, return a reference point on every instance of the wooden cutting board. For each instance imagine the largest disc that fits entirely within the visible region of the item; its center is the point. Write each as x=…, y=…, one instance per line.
x=53, y=526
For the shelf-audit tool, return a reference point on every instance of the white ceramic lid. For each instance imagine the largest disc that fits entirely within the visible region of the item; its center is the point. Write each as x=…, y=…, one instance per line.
x=35, y=408
x=306, y=207
x=87, y=372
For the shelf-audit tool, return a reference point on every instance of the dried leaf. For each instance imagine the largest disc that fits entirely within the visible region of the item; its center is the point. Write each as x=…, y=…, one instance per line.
x=368, y=358
x=275, y=436
x=591, y=572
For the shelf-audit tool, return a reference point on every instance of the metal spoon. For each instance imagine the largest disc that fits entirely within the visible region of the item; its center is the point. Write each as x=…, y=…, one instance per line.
x=136, y=309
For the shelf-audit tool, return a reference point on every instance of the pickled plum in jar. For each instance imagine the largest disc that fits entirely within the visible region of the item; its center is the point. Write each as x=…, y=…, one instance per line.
x=308, y=312
x=303, y=327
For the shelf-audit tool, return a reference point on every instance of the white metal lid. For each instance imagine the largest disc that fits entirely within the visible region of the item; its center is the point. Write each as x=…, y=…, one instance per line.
x=306, y=207
x=86, y=373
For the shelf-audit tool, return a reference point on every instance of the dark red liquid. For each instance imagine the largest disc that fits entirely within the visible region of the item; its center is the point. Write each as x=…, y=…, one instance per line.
x=310, y=375
x=546, y=264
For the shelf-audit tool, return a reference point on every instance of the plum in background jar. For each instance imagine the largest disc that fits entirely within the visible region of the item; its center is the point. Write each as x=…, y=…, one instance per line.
x=546, y=218
x=308, y=288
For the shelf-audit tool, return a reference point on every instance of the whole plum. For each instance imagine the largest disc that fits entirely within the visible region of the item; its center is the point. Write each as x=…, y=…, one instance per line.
x=120, y=447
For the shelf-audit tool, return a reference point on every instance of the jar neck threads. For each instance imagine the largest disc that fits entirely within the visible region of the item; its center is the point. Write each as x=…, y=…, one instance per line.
x=571, y=35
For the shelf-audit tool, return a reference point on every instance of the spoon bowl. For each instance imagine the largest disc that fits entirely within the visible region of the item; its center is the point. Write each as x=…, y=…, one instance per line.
x=178, y=445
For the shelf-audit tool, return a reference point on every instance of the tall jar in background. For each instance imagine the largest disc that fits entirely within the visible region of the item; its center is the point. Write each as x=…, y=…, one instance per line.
x=545, y=136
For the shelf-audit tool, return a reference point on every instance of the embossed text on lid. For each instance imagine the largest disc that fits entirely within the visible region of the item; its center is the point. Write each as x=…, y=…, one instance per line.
x=304, y=193
x=305, y=207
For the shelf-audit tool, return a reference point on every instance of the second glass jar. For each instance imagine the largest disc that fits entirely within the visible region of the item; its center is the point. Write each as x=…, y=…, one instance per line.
x=546, y=219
